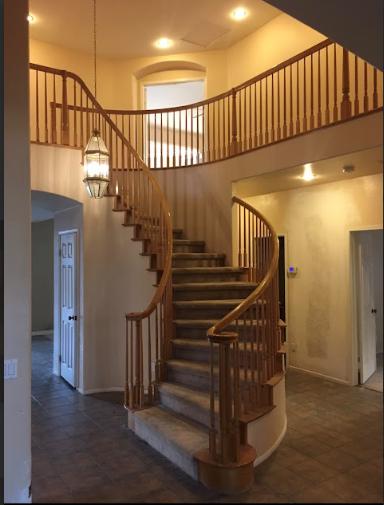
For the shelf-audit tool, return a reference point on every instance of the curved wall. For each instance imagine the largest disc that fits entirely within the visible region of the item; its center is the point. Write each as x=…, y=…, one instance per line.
x=115, y=279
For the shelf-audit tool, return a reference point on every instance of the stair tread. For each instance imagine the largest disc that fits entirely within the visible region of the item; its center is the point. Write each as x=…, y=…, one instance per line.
x=191, y=395
x=203, y=368
x=195, y=286
x=203, y=343
x=196, y=255
x=201, y=399
x=187, y=270
x=183, y=241
x=176, y=430
x=211, y=303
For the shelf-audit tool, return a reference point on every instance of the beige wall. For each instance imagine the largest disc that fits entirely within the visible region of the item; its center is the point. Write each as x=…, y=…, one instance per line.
x=276, y=41
x=317, y=222
x=115, y=276
x=42, y=275
x=17, y=255
x=119, y=81
x=80, y=63
x=200, y=197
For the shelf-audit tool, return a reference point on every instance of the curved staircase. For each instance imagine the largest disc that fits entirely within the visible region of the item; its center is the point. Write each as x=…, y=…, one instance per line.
x=204, y=291
x=203, y=357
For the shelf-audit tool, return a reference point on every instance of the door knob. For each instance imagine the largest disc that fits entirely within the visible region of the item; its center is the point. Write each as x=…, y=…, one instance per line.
x=74, y=318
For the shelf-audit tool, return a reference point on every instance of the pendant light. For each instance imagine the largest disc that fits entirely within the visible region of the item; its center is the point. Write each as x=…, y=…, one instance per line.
x=96, y=155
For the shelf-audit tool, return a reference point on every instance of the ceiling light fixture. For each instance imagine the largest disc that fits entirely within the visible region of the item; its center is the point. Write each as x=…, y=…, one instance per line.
x=239, y=14
x=30, y=18
x=96, y=155
x=347, y=169
x=308, y=174
x=163, y=43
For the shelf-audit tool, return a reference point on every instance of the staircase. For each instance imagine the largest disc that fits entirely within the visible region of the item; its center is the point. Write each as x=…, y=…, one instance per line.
x=204, y=291
x=202, y=359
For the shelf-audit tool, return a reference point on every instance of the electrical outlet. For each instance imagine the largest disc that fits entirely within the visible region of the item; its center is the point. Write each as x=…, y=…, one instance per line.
x=10, y=369
x=293, y=347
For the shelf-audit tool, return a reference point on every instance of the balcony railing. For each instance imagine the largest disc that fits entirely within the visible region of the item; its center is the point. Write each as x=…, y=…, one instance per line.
x=321, y=86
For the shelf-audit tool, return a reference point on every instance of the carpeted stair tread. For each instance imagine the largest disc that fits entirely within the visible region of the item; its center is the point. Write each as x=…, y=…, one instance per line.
x=171, y=435
x=208, y=270
x=196, y=286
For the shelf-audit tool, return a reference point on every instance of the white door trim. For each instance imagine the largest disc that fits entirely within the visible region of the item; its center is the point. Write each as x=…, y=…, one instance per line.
x=76, y=232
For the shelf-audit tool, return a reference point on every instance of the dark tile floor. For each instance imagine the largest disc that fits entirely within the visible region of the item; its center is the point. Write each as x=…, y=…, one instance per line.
x=82, y=451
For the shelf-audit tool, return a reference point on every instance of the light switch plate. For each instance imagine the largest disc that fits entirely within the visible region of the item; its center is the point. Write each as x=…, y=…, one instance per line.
x=10, y=369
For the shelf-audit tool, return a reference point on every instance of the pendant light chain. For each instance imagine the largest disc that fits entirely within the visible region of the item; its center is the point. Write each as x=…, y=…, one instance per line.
x=94, y=41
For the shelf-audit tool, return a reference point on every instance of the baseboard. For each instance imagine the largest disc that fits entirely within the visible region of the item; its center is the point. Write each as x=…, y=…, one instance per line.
x=42, y=332
x=266, y=455
x=100, y=390
x=321, y=375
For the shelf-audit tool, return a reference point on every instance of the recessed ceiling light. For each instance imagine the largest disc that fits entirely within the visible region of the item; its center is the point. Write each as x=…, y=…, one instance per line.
x=163, y=43
x=239, y=13
x=30, y=18
x=308, y=174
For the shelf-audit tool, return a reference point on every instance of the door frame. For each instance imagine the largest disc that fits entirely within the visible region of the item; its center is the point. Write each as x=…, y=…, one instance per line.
x=76, y=231
x=285, y=236
x=353, y=299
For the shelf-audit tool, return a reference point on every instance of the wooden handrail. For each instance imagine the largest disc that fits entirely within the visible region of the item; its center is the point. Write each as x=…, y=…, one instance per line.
x=253, y=80
x=256, y=294
x=145, y=208
x=243, y=375
x=271, y=107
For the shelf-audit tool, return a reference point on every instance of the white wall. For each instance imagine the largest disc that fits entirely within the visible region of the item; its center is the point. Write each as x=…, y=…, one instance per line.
x=115, y=276
x=17, y=250
x=42, y=275
x=317, y=221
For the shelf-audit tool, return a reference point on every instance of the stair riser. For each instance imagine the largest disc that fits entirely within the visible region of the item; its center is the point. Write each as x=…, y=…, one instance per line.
x=211, y=294
x=207, y=277
x=192, y=248
x=201, y=382
x=203, y=355
x=198, y=262
x=186, y=332
x=186, y=378
x=201, y=312
x=177, y=234
x=192, y=411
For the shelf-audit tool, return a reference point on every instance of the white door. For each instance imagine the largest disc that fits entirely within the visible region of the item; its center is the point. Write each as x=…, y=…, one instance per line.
x=366, y=315
x=68, y=305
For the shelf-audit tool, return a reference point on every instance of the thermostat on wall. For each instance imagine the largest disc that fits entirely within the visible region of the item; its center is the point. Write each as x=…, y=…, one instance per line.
x=292, y=271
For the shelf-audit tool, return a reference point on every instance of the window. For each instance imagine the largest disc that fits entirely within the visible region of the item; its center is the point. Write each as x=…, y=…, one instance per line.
x=172, y=137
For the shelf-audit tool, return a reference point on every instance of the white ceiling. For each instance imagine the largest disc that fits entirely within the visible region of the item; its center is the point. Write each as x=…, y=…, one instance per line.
x=45, y=205
x=367, y=162
x=128, y=28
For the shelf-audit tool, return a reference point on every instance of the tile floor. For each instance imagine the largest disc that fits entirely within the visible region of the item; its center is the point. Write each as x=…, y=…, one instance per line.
x=83, y=453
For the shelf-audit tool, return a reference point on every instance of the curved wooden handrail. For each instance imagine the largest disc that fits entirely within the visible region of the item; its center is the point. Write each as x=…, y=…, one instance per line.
x=311, y=90
x=253, y=80
x=244, y=369
x=168, y=263
x=265, y=282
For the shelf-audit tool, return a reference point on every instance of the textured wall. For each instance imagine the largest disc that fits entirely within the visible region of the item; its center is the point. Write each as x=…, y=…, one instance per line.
x=42, y=275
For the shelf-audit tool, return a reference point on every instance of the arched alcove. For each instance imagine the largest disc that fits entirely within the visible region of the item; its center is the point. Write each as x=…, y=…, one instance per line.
x=164, y=66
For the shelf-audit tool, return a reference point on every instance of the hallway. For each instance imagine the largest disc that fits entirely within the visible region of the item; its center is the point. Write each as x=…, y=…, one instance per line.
x=83, y=453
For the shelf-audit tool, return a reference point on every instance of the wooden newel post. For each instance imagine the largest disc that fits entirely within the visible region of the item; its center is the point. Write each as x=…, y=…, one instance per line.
x=346, y=106
x=64, y=113
x=139, y=386
x=234, y=139
x=228, y=388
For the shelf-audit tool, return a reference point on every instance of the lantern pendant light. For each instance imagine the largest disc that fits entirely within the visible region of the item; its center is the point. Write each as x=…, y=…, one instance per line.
x=96, y=155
